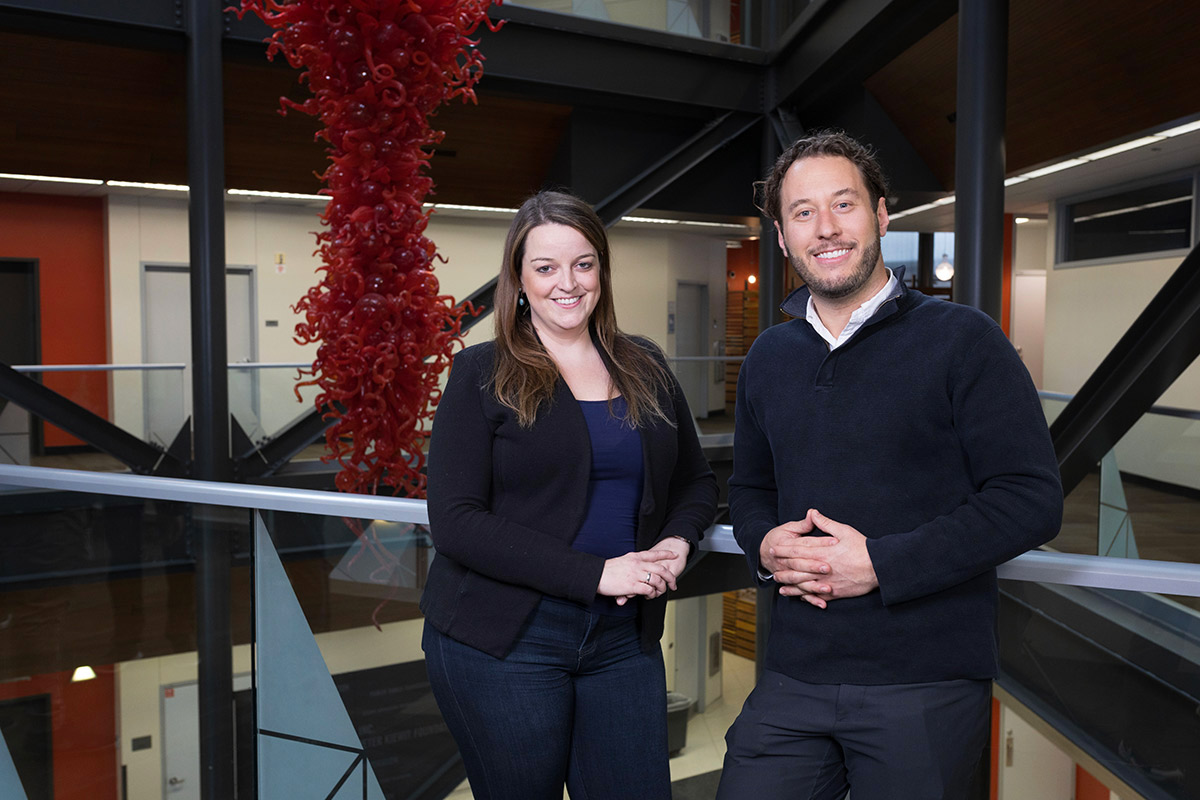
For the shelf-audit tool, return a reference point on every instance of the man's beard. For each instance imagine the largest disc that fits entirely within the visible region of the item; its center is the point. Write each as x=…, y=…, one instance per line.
x=837, y=289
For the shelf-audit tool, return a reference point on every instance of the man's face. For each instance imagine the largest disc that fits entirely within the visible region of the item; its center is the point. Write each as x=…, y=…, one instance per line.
x=829, y=228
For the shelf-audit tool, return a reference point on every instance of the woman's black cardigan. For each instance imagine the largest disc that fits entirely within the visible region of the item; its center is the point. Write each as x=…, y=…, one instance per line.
x=505, y=503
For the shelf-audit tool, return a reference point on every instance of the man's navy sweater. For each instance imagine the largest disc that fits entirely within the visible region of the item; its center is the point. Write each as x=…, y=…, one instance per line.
x=924, y=432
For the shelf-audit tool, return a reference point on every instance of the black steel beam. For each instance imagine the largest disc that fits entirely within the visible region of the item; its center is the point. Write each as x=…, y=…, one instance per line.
x=1160, y=344
x=843, y=43
x=157, y=15
x=206, y=227
x=925, y=258
x=979, y=155
x=140, y=456
x=771, y=263
x=594, y=57
x=210, y=393
x=663, y=172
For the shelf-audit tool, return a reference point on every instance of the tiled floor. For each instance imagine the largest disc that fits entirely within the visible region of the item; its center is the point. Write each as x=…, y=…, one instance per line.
x=705, y=749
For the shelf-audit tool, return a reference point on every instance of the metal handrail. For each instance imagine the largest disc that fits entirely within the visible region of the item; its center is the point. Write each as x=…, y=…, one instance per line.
x=26, y=368
x=97, y=367
x=1166, y=411
x=738, y=359
x=1136, y=575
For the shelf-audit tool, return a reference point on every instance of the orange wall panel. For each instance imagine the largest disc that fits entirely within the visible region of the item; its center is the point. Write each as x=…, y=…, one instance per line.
x=1087, y=787
x=84, y=731
x=66, y=237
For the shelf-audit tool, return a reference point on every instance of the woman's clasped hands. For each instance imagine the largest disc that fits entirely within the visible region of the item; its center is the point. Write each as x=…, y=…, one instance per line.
x=644, y=573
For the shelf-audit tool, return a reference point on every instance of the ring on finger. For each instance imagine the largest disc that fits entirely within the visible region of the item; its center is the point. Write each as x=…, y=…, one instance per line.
x=646, y=580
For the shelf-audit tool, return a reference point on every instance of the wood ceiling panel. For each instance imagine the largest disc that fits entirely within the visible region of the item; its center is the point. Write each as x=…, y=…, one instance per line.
x=1081, y=73
x=91, y=110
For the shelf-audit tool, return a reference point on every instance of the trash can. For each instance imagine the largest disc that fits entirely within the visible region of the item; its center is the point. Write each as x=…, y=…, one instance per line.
x=678, y=706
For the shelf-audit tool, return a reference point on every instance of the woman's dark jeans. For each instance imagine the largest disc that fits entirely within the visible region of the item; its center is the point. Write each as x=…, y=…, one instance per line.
x=576, y=701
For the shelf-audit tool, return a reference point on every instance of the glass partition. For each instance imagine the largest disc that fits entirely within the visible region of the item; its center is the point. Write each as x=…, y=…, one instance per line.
x=150, y=401
x=98, y=646
x=1117, y=672
x=1143, y=500
x=330, y=693
x=716, y=20
x=262, y=397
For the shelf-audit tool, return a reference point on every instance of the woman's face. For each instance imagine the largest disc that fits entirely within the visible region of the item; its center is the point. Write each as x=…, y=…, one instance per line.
x=560, y=273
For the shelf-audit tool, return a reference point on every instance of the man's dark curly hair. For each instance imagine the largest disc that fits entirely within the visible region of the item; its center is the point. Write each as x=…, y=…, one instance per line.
x=821, y=143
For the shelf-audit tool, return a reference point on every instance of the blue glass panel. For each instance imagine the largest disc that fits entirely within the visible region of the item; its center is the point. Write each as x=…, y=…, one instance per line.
x=1116, y=527
x=10, y=784
x=288, y=770
x=296, y=694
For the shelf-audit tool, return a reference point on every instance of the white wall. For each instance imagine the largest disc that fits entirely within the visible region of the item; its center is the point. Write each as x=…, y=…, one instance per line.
x=1031, y=767
x=142, y=230
x=646, y=267
x=1088, y=309
x=1029, y=296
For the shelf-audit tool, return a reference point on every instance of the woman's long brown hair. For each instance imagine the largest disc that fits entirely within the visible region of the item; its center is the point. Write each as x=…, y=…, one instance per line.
x=525, y=375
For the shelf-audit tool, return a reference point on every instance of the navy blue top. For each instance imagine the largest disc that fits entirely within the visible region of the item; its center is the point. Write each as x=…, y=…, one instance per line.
x=614, y=491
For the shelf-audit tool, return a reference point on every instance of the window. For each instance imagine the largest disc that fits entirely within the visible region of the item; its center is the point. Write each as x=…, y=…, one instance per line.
x=1148, y=219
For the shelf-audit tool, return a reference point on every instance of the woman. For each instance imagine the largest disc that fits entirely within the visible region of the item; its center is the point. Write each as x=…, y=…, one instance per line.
x=566, y=491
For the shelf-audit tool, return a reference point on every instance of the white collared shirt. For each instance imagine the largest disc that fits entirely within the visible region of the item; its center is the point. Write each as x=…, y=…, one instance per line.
x=857, y=318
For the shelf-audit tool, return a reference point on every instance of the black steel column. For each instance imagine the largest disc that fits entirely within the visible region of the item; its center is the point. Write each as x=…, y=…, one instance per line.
x=210, y=391
x=925, y=259
x=770, y=257
x=979, y=154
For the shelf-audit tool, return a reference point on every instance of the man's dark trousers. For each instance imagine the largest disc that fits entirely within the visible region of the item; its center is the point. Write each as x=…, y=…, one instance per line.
x=804, y=741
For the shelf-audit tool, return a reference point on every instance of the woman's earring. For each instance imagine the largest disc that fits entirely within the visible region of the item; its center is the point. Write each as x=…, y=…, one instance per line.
x=520, y=298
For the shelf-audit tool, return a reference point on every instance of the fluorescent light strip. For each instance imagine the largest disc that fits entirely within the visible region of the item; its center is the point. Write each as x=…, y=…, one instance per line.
x=52, y=179
x=913, y=210
x=655, y=220
x=1050, y=170
x=164, y=187
x=456, y=207
x=1121, y=148
x=1186, y=128
x=730, y=225
x=280, y=195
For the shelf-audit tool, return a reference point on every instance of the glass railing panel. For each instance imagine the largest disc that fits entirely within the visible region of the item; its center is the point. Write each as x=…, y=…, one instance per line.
x=149, y=401
x=340, y=673
x=326, y=628
x=715, y=20
x=1143, y=499
x=98, y=643
x=263, y=397
x=1117, y=672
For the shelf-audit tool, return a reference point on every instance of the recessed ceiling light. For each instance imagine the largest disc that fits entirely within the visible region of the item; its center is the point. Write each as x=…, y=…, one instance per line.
x=83, y=673
x=163, y=187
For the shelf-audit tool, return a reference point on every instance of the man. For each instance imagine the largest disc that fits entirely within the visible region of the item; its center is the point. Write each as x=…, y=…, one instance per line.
x=890, y=452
